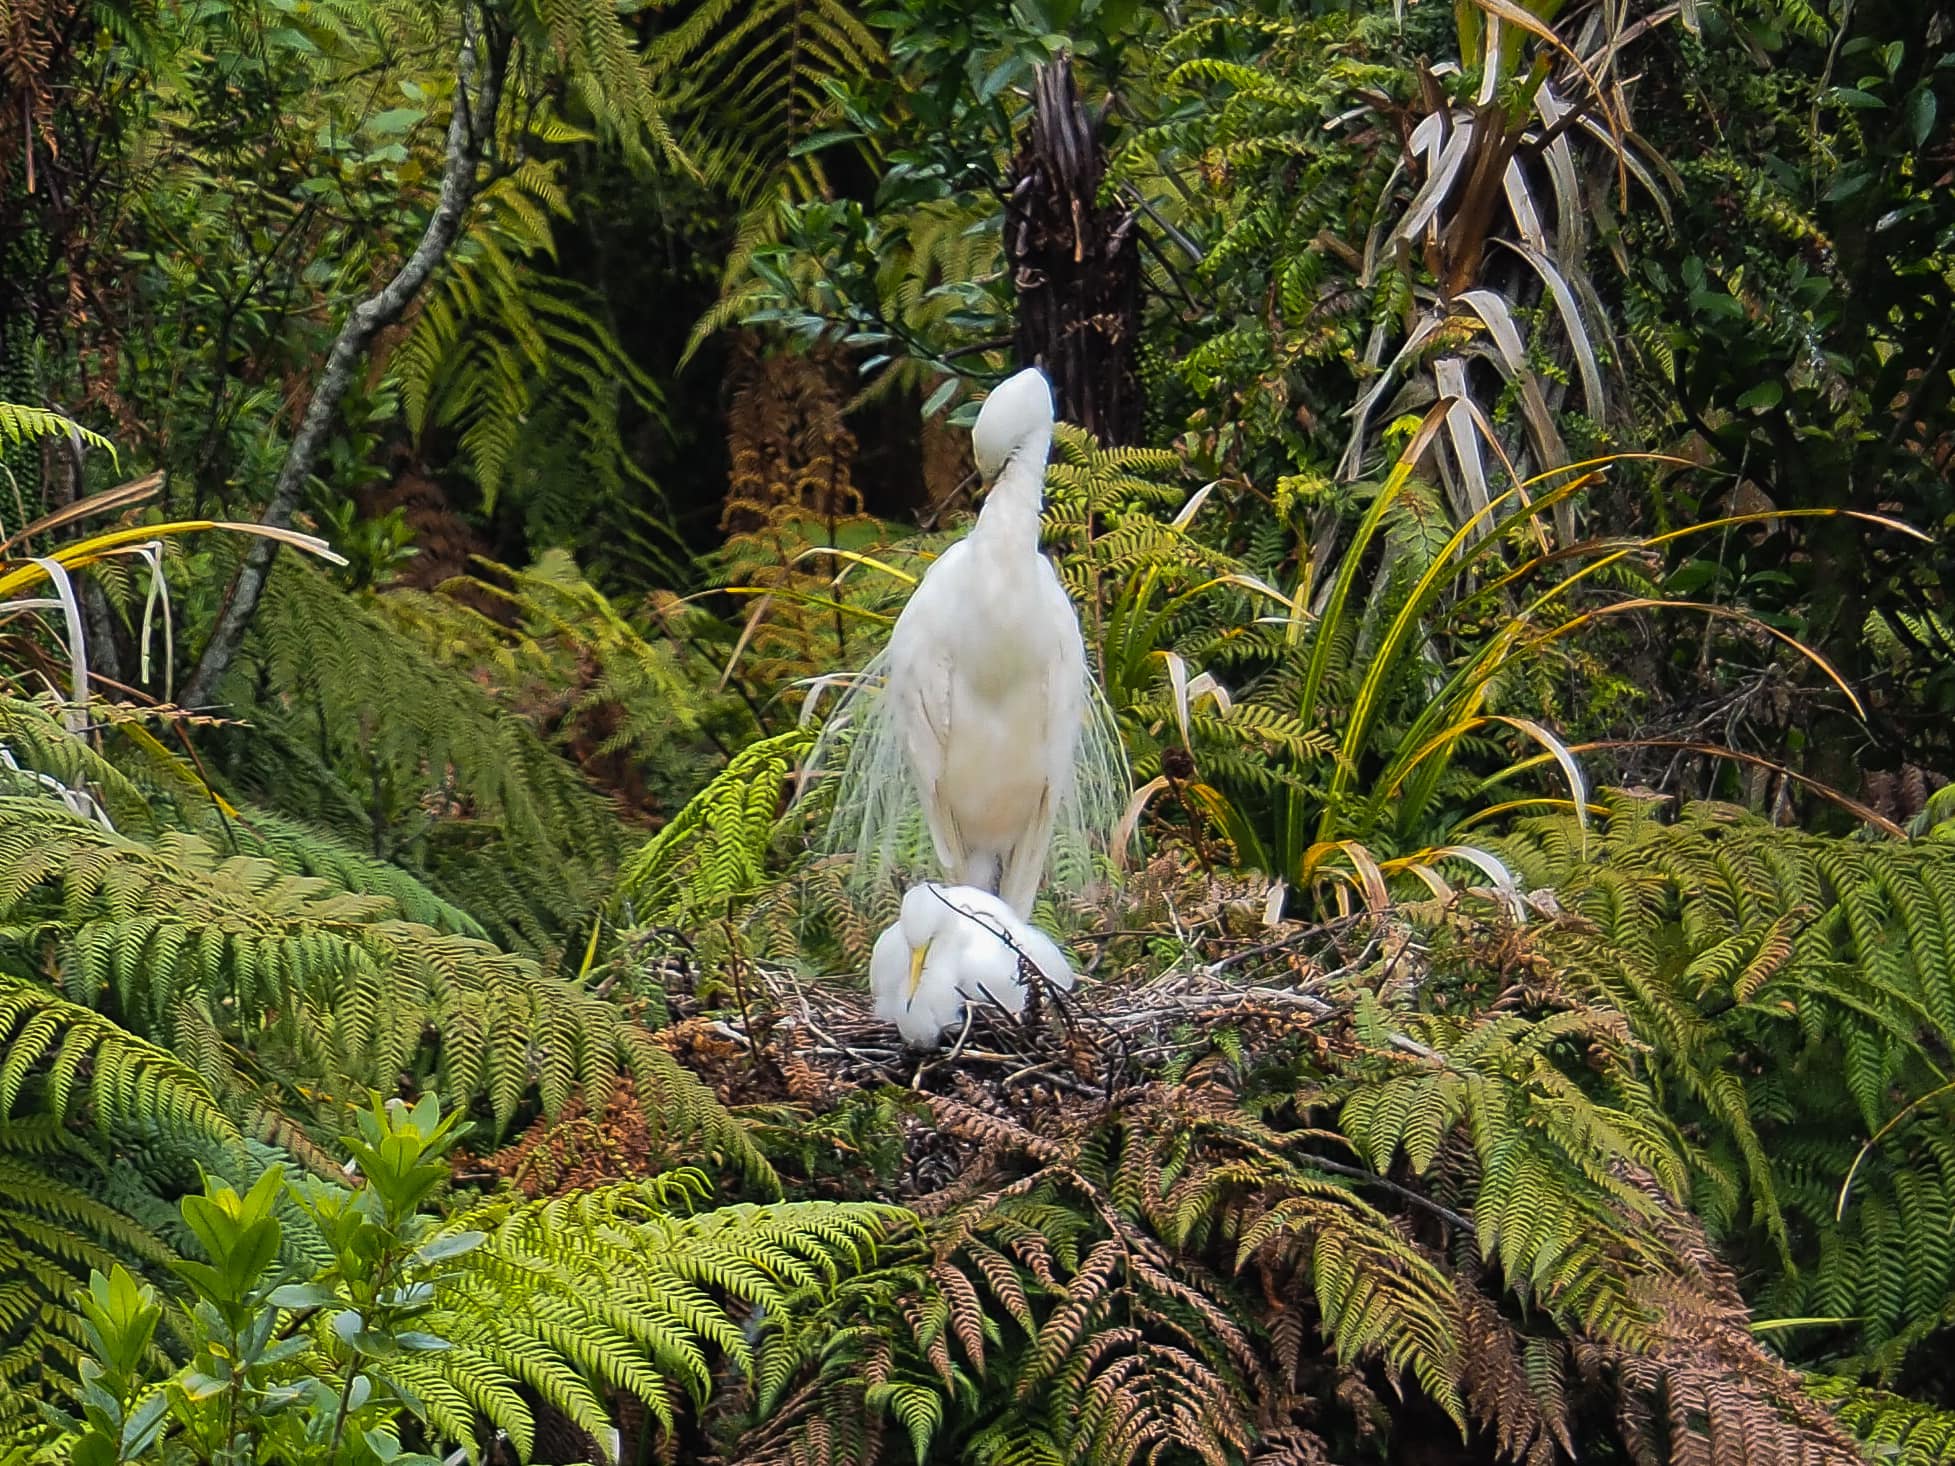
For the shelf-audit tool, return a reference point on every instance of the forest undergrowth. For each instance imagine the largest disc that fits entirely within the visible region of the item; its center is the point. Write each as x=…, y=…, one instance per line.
x=454, y=458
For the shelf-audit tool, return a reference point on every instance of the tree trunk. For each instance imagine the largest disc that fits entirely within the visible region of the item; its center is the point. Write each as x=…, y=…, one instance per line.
x=471, y=128
x=1075, y=266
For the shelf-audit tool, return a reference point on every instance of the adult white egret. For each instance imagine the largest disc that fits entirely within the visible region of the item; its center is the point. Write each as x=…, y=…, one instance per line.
x=954, y=944
x=981, y=713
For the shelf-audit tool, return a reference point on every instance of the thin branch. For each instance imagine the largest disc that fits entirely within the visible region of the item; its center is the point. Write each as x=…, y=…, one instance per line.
x=472, y=120
x=1193, y=250
x=1383, y=1183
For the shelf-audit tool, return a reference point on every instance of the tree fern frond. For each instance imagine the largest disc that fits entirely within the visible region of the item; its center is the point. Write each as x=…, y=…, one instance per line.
x=713, y=850
x=1723, y=939
x=20, y=423
x=222, y=956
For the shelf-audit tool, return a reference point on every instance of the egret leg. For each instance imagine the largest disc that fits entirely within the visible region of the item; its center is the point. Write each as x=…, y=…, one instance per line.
x=1022, y=867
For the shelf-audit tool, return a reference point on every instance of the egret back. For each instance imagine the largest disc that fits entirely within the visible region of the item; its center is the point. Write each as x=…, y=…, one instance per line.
x=878, y=815
x=1044, y=954
x=1020, y=937
x=975, y=944
x=889, y=973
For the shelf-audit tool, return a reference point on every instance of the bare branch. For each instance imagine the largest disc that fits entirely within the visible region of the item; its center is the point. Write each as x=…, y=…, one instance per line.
x=471, y=125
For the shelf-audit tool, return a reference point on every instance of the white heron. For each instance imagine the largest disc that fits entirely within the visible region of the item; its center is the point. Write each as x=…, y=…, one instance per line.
x=981, y=713
x=954, y=944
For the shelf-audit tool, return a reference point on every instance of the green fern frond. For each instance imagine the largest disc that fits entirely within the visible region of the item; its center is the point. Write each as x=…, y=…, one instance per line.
x=365, y=729
x=79, y=1098
x=1895, y=1429
x=714, y=850
x=609, y=1289
x=518, y=360
x=24, y=424
x=1725, y=940
x=237, y=965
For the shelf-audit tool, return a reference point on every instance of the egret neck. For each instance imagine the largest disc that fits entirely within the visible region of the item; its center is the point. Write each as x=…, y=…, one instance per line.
x=1010, y=516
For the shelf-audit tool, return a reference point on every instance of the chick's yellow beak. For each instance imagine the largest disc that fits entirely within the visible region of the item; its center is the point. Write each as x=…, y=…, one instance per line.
x=916, y=969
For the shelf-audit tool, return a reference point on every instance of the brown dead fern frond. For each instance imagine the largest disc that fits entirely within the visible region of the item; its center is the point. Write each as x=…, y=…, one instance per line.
x=791, y=489
x=1513, y=1383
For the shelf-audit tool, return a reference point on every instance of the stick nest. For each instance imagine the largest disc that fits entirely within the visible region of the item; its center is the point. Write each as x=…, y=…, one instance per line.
x=1187, y=975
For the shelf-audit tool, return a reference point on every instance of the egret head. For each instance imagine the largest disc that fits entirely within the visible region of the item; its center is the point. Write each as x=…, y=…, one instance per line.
x=923, y=918
x=1018, y=410
x=952, y=945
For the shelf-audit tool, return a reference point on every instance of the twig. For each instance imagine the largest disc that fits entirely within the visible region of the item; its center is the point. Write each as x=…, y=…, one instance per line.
x=1193, y=250
x=970, y=1015
x=863, y=1056
x=1404, y=1193
x=1046, y=1072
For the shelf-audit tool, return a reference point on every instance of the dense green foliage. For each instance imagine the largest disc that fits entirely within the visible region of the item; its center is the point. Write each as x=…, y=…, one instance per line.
x=1517, y=1016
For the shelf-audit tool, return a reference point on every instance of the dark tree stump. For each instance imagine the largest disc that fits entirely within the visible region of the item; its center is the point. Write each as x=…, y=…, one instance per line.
x=1075, y=265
